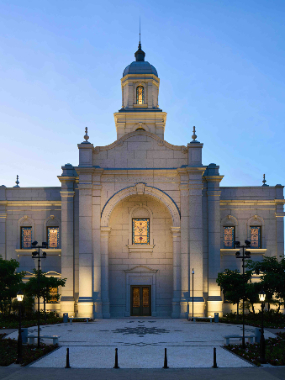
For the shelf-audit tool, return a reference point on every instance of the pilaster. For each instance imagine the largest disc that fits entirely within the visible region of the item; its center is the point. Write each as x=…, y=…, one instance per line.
x=86, y=262
x=196, y=243
x=184, y=244
x=214, y=301
x=67, y=180
x=105, y=233
x=176, y=236
x=279, y=221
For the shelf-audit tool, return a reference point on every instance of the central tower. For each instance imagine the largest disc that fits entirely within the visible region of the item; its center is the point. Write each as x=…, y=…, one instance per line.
x=140, y=89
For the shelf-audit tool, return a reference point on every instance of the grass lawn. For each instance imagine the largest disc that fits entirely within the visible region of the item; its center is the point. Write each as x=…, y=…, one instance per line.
x=8, y=351
x=274, y=351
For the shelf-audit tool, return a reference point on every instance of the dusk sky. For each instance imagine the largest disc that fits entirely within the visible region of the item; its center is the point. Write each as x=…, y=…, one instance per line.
x=220, y=63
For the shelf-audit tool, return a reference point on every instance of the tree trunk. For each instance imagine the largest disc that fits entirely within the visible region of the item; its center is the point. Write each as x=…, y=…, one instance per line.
x=237, y=310
x=253, y=308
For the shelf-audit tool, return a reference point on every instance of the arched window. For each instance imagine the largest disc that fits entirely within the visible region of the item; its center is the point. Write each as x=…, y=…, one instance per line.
x=140, y=95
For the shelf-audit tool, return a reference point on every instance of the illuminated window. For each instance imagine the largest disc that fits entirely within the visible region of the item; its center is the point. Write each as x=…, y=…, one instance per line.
x=229, y=237
x=53, y=237
x=141, y=231
x=26, y=237
x=53, y=295
x=140, y=95
x=255, y=237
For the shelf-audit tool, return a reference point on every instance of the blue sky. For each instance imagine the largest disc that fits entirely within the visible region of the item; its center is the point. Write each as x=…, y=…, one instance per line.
x=221, y=66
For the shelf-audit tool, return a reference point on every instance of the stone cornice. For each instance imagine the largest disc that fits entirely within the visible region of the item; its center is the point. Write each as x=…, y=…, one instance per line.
x=213, y=178
x=121, y=141
x=67, y=194
x=232, y=251
x=249, y=202
x=63, y=178
x=31, y=203
x=88, y=170
x=191, y=170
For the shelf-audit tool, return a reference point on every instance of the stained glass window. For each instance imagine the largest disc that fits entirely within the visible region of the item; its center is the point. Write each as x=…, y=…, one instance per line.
x=140, y=95
x=53, y=237
x=229, y=237
x=26, y=237
x=255, y=234
x=141, y=231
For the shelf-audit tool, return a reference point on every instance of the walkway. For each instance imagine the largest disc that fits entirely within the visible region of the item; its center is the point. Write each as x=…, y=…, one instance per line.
x=141, y=344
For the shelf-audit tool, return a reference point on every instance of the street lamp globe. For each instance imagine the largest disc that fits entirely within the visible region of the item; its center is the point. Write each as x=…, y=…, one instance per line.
x=20, y=296
x=261, y=296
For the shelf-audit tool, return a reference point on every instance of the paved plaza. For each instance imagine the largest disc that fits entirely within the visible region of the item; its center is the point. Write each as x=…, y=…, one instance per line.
x=141, y=344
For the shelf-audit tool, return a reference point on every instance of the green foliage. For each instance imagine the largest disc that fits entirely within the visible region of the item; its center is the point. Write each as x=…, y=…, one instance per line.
x=43, y=287
x=10, y=283
x=274, y=351
x=271, y=318
x=8, y=351
x=272, y=277
x=233, y=285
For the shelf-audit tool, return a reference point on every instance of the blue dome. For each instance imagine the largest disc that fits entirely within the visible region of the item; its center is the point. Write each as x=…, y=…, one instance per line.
x=140, y=66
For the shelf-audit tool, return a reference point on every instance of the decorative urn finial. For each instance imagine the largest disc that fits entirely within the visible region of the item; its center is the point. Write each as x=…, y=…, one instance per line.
x=194, y=136
x=264, y=181
x=86, y=137
x=17, y=181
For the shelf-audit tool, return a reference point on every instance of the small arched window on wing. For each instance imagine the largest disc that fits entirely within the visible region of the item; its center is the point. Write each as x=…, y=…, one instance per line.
x=140, y=95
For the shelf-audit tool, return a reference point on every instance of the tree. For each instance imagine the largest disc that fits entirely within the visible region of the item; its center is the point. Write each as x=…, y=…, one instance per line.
x=43, y=288
x=10, y=283
x=272, y=278
x=232, y=285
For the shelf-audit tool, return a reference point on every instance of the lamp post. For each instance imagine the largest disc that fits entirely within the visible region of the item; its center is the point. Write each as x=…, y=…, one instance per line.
x=245, y=255
x=193, y=294
x=20, y=297
x=37, y=255
x=262, y=296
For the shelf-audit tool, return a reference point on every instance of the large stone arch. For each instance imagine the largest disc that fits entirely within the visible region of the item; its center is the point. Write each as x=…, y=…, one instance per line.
x=140, y=188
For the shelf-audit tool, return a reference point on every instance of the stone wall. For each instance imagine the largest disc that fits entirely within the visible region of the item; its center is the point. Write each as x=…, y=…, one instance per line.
x=122, y=258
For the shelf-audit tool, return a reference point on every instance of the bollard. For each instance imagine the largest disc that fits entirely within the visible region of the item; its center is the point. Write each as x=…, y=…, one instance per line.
x=116, y=359
x=215, y=359
x=67, y=359
x=165, y=359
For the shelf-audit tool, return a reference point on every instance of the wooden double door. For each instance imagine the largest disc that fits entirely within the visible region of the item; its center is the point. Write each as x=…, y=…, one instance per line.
x=140, y=300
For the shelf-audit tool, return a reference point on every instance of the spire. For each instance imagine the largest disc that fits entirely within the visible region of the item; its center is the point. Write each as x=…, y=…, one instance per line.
x=140, y=54
x=264, y=181
x=194, y=136
x=17, y=182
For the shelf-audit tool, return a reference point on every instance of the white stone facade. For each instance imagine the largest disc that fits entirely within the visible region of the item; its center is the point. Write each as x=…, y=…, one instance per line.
x=140, y=175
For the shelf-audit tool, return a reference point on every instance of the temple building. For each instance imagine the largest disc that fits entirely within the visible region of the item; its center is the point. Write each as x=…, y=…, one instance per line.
x=140, y=227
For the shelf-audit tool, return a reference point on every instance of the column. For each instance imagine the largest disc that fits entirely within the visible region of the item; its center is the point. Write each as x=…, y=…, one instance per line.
x=196, y=244
x=214, y=301
x=184, y=244
x=86, y=281
x=279, y=221
x=67, y=230
x=176, y=272
x=96, y=235
x=105, y=233
x=85, y=301
x=195, y=171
